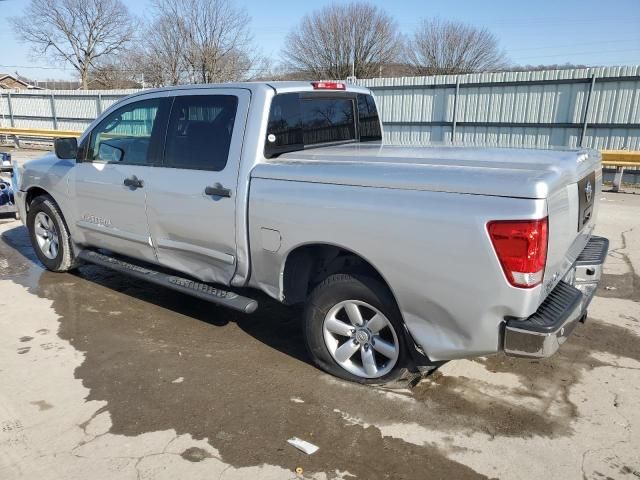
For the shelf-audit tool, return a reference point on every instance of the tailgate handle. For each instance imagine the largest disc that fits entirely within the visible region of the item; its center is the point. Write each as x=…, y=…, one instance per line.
x=217, y=190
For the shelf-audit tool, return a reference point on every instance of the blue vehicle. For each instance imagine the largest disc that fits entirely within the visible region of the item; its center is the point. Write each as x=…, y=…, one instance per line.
x=7, y=201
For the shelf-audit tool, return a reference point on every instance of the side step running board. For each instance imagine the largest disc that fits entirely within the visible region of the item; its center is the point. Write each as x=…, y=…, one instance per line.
x=200, y=290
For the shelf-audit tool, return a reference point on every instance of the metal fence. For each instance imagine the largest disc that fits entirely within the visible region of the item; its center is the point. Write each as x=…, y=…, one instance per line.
x=57, y=110
x=594, y=107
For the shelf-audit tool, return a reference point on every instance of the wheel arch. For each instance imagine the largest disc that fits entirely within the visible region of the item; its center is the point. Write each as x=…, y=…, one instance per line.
x=35, y=192
x=303, y=269
x=308, y=264
x=65, y=259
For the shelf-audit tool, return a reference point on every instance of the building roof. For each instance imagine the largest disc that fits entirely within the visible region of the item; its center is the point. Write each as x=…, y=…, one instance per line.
x=5, y=76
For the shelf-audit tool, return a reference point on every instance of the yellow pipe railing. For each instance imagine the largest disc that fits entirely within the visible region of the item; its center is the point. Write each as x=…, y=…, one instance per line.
x=38, y=132
x=620, y=158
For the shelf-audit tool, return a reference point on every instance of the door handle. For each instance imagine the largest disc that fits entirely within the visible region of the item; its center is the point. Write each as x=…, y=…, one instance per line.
x=133, y=182
x=217, y=190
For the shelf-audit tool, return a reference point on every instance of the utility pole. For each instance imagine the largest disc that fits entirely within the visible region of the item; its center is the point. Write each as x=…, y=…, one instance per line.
x=353, y=60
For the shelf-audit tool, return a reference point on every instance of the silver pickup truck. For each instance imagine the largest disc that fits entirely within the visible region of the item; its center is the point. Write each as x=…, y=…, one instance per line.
x=402, y=256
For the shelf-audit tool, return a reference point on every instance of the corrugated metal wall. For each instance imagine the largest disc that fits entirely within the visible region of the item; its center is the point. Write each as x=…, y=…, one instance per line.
x=539, y=108
x=59, y=109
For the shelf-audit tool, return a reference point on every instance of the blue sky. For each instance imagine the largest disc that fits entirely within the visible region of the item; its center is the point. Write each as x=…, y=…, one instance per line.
x=592, y=32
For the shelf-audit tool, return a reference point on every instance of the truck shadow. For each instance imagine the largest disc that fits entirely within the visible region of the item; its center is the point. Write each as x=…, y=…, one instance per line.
x=273, y=324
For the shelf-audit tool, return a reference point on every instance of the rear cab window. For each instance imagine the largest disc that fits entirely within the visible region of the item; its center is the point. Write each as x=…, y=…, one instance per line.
x=301, y=120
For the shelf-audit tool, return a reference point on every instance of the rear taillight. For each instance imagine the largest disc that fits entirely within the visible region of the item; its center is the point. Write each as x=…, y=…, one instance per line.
x=328, y=86
x=521, y=246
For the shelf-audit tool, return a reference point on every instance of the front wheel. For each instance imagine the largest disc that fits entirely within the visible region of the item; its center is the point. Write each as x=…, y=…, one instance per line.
x=49, y=235
x=353, y=330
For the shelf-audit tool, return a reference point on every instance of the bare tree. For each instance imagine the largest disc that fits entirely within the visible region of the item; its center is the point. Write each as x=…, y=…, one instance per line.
x=199, y=41
x=80, y=32
x=444, y=47
x=161, y=57
x=340, y=39
x=157, y=60
x=279, y=72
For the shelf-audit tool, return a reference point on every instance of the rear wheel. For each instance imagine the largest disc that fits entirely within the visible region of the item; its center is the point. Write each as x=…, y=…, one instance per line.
x=353, y=330
x=49, y=235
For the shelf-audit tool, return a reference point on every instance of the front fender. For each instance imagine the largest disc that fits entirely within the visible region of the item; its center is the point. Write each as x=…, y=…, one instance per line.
x=45, y=175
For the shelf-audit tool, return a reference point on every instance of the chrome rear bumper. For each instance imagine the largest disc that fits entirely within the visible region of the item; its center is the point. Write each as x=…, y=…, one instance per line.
x=542, y=333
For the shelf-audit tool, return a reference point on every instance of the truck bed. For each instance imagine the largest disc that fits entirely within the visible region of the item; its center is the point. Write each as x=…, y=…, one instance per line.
x=504, y=172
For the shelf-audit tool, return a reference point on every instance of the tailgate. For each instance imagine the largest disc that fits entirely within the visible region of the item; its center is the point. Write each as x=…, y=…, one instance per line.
x=572, y=211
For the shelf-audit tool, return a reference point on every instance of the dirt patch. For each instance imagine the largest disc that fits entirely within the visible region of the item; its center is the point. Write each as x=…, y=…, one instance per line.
x=195, y=454
x=625, y=286
x=42, y=405
x=464, y=404
x=11, y=261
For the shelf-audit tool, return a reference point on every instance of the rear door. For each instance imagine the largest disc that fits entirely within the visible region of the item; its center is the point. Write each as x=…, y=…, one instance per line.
x=109, y=183
x=191, y=199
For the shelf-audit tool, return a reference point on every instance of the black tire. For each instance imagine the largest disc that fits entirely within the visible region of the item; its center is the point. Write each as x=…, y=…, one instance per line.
x=65, y=259
x=339, y=288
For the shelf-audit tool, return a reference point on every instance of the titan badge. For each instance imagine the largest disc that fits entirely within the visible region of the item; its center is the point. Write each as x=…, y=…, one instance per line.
x=104, y=222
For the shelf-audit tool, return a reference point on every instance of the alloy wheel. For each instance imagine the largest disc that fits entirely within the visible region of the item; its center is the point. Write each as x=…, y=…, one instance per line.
x=361, y=339
x=46, y=235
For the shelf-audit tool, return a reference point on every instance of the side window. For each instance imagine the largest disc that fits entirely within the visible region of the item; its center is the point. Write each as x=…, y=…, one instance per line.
x=124, y=136
x=368, y=119
x=199, y=132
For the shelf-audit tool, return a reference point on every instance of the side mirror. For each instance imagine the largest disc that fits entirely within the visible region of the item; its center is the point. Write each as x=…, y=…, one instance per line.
x=66, y=148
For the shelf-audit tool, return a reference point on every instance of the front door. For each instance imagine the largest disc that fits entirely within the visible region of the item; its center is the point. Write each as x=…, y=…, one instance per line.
x=191, y=199
x=109, y=183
